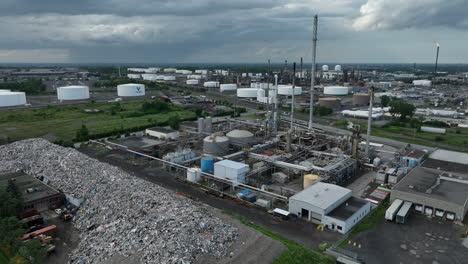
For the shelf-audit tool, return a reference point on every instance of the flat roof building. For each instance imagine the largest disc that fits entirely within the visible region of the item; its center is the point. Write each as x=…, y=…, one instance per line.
x=162, y=132
x=34, y=193
x=439, y=187
x=329, y=205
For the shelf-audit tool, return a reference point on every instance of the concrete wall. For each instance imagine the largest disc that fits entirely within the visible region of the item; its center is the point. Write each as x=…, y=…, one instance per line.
x=459, y=210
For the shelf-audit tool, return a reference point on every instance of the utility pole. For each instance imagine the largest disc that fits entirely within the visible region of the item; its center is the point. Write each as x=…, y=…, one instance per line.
x=369, y=120
x=293, y=90
x=312, y=78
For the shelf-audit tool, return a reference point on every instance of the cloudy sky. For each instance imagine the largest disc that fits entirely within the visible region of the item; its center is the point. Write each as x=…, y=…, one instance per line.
x=180, y=31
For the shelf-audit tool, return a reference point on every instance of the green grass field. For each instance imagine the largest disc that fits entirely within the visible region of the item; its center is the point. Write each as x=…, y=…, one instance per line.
x=62, y=122
x=295, y=254
x=3, y=259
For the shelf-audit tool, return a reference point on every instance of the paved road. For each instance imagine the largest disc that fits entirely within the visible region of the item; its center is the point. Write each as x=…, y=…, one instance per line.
x=301, y=231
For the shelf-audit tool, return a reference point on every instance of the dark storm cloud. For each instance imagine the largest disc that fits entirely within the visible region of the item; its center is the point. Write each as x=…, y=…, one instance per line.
x=207, y=30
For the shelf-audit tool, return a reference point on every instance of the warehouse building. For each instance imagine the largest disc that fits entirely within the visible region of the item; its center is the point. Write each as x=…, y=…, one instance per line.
x=231, y=170
x=162, y=133
x=329, y=205
x=34, y=193
x=439, y=187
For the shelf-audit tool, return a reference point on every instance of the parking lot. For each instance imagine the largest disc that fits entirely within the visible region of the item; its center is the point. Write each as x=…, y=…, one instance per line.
x=420, y=240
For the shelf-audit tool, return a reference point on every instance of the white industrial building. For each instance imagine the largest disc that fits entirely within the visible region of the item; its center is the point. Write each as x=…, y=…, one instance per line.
x=162, y=133
x=73, y=92
x=329, y=205
x=192, y=82
x=8, y=98
x=211, y=84
x=131, y=89
x=231, y=170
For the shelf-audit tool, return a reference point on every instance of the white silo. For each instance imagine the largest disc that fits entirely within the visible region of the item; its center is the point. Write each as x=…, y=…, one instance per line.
x=73, y=92
x=8, y=98
x=325, y=68
x=131, y=89
x=338, y=68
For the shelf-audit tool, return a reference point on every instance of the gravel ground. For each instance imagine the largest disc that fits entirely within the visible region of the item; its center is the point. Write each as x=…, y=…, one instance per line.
x=131, y=218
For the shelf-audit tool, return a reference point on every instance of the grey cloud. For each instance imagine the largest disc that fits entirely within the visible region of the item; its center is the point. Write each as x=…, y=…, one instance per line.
x=401, y=14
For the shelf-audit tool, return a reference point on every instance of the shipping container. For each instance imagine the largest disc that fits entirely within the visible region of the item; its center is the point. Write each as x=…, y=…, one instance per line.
x=50, y=230
x=33, y=220
x=393, y=209
x=404, y=212
x=252, y=197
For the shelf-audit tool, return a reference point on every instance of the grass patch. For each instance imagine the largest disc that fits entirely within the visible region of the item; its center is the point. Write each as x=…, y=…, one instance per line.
x=369, y=222
x=254, y=116
x=63, y=121
x=296, y=253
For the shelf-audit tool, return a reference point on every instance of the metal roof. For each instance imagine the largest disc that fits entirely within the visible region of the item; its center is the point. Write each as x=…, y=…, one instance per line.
x=348, y=208
x=231, y=164
x=452, y=156
x=321, y=195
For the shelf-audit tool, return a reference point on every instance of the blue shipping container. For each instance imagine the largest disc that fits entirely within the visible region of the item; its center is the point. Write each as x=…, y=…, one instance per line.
x=207, y=164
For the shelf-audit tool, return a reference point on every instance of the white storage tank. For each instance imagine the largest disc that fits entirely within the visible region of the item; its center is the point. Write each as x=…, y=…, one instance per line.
x=422, y=82
x=216, y=144
x=192, y=82
x=170, y=70
x=201, y=71
x=240, y=138
x=149, y=77
x=169, y=78
x=435, y=130
x=325, y=68
x=335, y=90
x=159, y=77
x=247, y=92
x=211, y=84
x=133, y=76
x=228, y=87
x=73, y=92
x=193, y=174
x=338, y=68
x=260, y=93
x=131, y=89
x=288, y=90
x=194, y=76
x=8, y=98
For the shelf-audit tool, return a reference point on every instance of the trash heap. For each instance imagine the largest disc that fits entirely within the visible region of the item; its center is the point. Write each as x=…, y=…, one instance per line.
x=121, y=214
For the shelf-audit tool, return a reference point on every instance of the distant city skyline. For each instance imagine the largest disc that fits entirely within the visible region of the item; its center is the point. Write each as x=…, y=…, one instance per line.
x=241, y=31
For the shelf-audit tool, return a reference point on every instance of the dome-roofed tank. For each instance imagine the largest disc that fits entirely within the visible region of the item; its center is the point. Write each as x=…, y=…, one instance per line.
x=240, y=137
x=216, y=144
x=338, y=68
x=325, y=68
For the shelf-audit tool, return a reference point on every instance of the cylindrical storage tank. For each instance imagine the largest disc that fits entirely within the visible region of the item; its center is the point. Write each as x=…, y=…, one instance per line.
x=338, y=68
x=201, y=125
x=240, y=138
x=73, y=92
x=247, y=92
x=361, y=99
x=193, y=174
x=325, y=68
x=169, y=78
x=288, y=90
x=208, y=125
x=12, y=98
x=228, y=87
x=334, y=103
x=211, y=84
x=133, y=76
x=170, y=70
x=309, y=179
x=201, y=71
x=131, y=89
x=216, y=145
x=335, y=90
x=148, y=77
x=4, y=91
x=207, y=164
x=192, y=82
x=194, y=76
x=433, y=130
x=159, y=77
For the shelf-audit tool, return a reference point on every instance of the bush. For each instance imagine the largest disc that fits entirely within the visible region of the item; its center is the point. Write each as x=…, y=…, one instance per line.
x=439, y=138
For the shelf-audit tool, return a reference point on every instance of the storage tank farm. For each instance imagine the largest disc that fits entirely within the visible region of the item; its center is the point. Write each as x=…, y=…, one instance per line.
x=72, y=92
x=9, y=98
x=131, y=89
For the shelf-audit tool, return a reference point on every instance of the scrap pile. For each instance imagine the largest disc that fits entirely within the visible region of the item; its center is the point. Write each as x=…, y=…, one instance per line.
x=121, y=214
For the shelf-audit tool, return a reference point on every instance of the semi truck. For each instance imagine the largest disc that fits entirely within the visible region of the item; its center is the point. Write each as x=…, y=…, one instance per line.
x=402, y=215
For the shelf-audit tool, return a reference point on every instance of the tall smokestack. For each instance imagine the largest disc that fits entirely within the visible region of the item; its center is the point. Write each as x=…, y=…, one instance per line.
x=369, y=120
x=437, y=58
x=312, y=78
x=293, y=90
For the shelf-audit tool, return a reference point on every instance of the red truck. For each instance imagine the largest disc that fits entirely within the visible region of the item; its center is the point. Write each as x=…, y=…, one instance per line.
x=50, y=230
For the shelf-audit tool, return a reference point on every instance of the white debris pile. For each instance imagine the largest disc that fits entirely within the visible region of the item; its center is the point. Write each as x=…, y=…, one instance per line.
x=122, y=214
